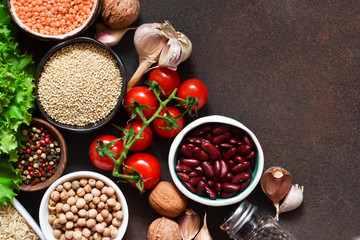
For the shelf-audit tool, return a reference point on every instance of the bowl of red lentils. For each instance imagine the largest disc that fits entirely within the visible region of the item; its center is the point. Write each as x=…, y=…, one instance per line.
x=44, y=157
x=81, y=205
x=54, y=19
x=80, y=84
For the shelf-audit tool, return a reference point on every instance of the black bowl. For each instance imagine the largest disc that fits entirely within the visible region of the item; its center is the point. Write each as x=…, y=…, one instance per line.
x=101, y=122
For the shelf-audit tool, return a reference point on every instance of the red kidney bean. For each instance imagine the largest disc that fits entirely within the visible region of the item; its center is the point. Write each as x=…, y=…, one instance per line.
x=223, y=169
x=193, y=174
x=211, y=183
x=186, y=150
x=235, y=142
x=190, y=162
x=230, y=187
x=201, y=131
x=195, y=181
x=240, y=177
x=210, y=192
x=208, y=169
x=240, y=167
x=250, y=156
x=221, y=138
x=231, y=164
x=221, y=129
x=200, y=154
x=215, y=178
x=199, y=170
x=200, y=188
x=194, y=141
x=211, y=150
x=244, y=184
x=183, y=176
x=217, y=187
x=228, y=194
x=182, y=168
x=247, y=141
x=238, y=159
x=189, y=186
x=244, y=150
x=204, y=178
x=229, y=176
x=217, y=168
x=225, y=145
x=230, y=153
x=208, y=137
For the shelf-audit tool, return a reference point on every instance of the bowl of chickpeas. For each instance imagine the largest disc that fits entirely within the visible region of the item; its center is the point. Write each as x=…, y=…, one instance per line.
x=54, y=19
x=83, y=204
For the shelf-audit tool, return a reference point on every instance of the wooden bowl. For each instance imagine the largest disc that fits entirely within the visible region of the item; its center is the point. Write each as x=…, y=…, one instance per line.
x=63, y=157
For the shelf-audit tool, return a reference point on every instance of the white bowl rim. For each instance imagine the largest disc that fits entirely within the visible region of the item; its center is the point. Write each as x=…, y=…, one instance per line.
x=57, y=37
x=217, y=202
x=44, y=213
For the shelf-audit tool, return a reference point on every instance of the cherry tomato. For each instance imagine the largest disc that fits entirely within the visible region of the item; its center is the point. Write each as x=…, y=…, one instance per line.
x=167, y=79
x=159, y=124
x=194, y=88
x=105, y=163
x=146, y=137
x=143, y=96
x=148, y=166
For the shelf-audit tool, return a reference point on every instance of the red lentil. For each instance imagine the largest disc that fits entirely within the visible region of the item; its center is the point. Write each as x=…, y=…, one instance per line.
x=51, y=17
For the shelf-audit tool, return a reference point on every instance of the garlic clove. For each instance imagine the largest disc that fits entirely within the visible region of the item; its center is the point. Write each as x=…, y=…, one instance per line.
x=293, y=199
x=185, y=41
x=189, y=223
x=204, y=233
x=110, y=37
x=172, y=54
x=276, y=182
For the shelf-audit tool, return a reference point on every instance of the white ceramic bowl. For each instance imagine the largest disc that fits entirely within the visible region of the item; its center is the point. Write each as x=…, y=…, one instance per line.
x=256, y=175
x=47, y=229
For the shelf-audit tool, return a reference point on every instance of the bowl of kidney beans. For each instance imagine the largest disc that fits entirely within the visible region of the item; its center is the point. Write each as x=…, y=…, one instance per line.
x=216, y=161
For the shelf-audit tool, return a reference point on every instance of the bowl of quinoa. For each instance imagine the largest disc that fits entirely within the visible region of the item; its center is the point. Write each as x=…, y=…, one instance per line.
x=80, y=84
x=54, y=19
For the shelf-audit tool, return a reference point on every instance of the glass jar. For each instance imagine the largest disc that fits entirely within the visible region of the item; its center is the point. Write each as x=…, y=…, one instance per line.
x=246, y=223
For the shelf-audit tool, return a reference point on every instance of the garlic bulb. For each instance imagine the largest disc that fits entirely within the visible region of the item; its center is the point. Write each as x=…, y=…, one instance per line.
x=276, y=182
x=189, y=223
x=293, y=198
x=204, y=233
x=159, y=42
x=110, y=37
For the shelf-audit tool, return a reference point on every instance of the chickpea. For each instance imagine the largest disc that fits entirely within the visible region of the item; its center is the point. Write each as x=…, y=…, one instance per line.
x=69, y=225
x=117, y=206
x=90, y=223
x=92, y=182
x=86, y=207
x=92, y=205
x=104, y=213
x=80, y=203
x=100, y=228
x=71, y=201
x=101, y=205
x=82, y=213
x=86, y=232
x=116, y=222
x=109, y=219
x=69, y=216
x=69, y=234
x=81, y=222
x=74, y=209
x=99, y=184
x=77, y=235
x=51, y=218
x=103, y=190
x=92, y=213
x=66, y=208
x=97, y=236
x=71, y=193
x=64, y=195
x=55, y=196
x=99, y=218
x=110, y=191
x=83, y=182
x=87, y=188
x=107, y=207
x=62, y=237
x=53, y=211
x=67, y=186
x=118, y=214
x=107, y=232
x=103, y=198
x=56, y=233
x=77, y=197
x=96, y=200
x=59, y=207
x=56, y=223
x=76, y=218
x=114, y=233
x=75, y=185
x=105, y=238
x=95, y=192
x=111, y=202
x=88, y=197
x=59, y=188
x=62, y=218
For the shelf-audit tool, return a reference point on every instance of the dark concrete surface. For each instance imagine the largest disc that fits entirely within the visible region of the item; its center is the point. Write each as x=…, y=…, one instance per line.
x=288, y=70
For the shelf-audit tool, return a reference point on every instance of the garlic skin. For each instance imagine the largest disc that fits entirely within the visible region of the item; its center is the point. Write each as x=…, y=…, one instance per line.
x=159, y=42
x=293, y=199
x=204, y=233
x=110, y=37
x=189, y=223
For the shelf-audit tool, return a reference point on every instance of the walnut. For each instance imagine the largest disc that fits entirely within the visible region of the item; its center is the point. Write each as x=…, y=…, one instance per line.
x=167, y=200
x=118, y=14
x=164, y=228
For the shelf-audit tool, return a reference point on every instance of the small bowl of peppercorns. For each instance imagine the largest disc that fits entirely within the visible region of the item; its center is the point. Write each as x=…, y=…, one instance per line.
x=44, y=157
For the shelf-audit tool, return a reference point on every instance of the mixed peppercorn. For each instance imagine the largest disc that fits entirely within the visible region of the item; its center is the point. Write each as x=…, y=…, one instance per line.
x=40, y=157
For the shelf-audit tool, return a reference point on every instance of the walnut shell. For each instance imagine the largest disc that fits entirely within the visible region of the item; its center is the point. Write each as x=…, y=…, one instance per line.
x=164, y=229
x=167, y=200
x=118, y=14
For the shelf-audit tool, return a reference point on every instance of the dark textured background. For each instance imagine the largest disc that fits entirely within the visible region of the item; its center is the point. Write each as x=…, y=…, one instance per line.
x=288, y=70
